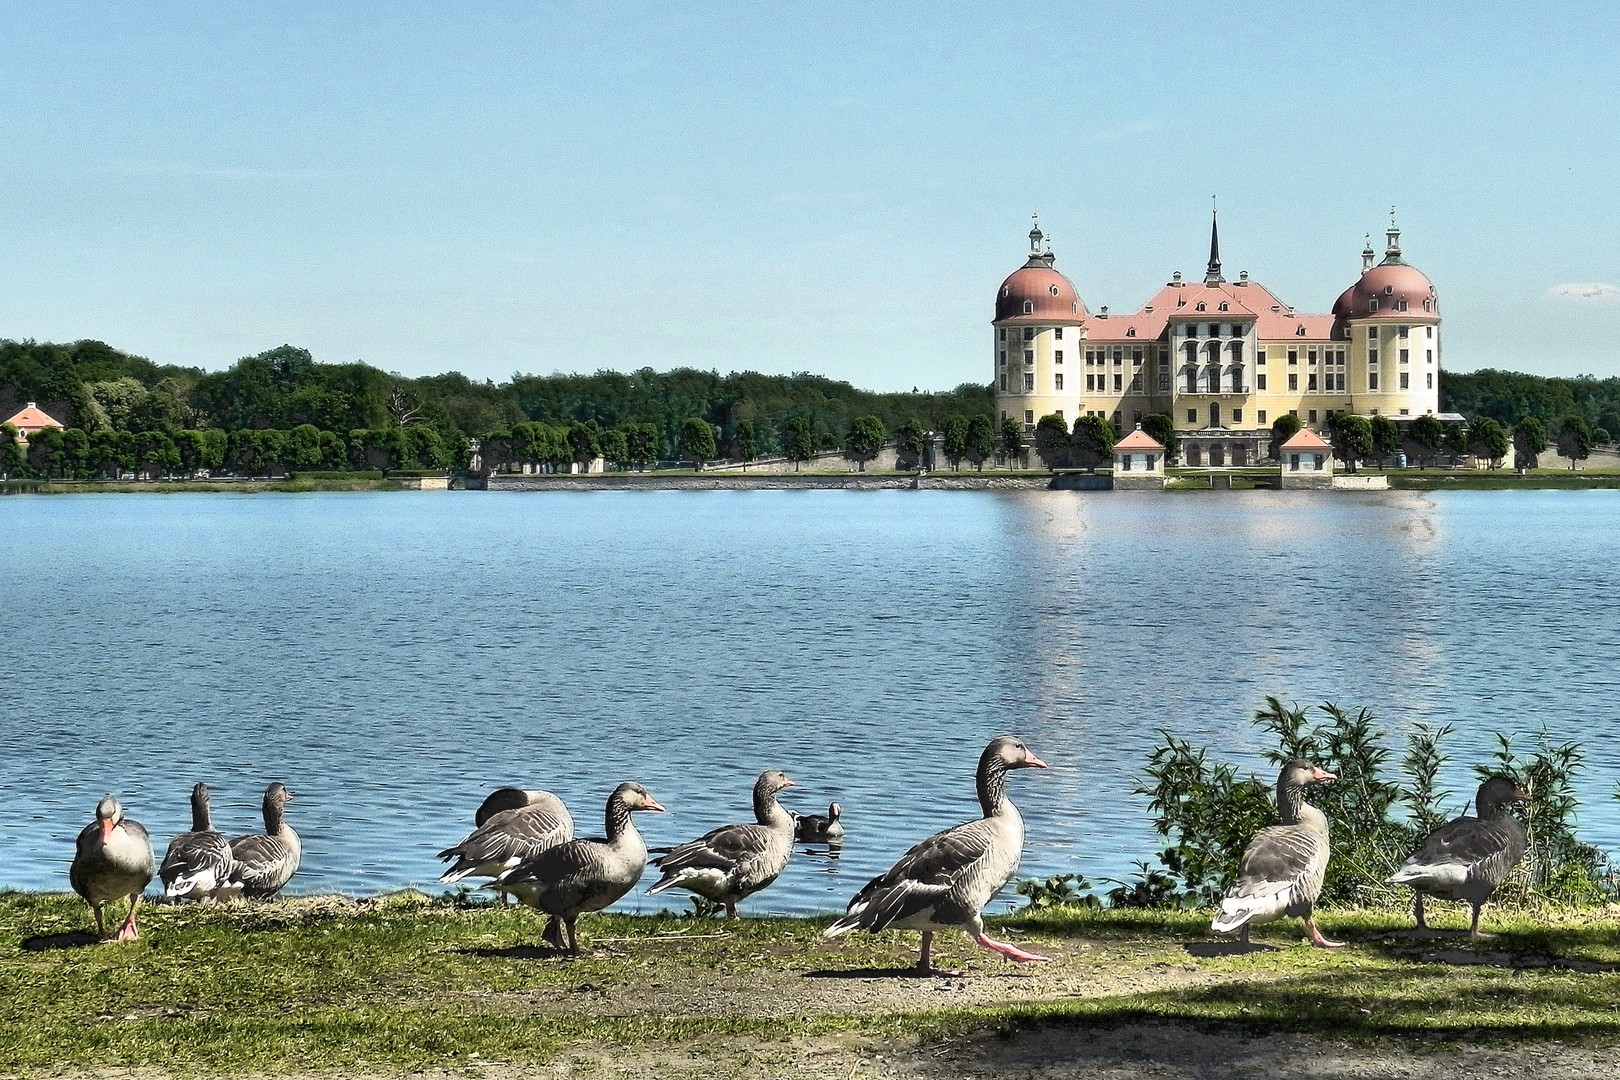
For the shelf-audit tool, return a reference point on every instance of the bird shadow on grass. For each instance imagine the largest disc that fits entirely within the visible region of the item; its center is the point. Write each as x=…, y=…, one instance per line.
x=1459, y=951
x=519, y=952
x=881, y=973
x=77, y=939
x=1226, y=948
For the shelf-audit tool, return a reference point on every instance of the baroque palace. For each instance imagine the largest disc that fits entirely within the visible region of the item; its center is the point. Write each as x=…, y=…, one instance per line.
x=1222, y=358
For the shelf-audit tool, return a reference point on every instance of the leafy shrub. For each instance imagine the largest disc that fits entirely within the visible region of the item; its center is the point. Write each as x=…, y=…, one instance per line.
x=1059, y=890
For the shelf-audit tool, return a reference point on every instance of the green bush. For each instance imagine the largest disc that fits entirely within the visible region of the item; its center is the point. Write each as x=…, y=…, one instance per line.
x=361, y=474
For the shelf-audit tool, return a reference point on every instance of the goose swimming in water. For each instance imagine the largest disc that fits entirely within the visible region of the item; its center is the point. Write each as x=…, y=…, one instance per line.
x=945, y=881
x=1284, y=865
x=816, y=829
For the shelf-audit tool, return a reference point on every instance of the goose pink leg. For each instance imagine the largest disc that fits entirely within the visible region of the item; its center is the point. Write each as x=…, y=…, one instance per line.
x=1010, y=952
x=1316, y=936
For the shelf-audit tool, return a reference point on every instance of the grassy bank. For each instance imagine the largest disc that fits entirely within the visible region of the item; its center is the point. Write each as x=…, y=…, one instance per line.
x=168, y=487
x=323, y=985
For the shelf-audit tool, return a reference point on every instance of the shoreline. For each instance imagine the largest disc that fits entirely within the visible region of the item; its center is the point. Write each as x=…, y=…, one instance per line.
x=1176, y=483
x=329, y=986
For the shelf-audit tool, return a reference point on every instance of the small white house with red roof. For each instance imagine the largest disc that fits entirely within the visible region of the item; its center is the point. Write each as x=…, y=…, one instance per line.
x=1139, y=461
x=1307, y=461
x=30, y=420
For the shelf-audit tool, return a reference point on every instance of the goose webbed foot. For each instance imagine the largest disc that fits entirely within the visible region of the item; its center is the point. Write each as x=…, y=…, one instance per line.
x=1008, y=951
x=1316, y=937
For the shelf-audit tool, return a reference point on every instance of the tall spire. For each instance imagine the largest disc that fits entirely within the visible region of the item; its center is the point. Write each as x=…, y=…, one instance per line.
x=1367, y=255
x=1035, y=234
x=1392, y=253
x=1212, y=273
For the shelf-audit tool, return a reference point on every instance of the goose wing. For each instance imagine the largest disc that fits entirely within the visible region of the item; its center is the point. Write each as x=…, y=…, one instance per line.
x=1464, y=849
x=263, y=863
x=196, y=859
x=920, y=879
x=1282, y=857
x=560, y=877
x=507, y=839
x=721, y=849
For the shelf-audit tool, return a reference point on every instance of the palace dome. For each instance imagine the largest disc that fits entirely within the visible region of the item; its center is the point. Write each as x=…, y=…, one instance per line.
x=1401, y=291
x=1037, y=293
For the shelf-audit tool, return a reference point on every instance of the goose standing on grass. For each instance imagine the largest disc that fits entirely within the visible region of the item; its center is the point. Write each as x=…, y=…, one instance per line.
x=513, y=825
x=1284, y=865
x=198, y=864
x=267, y=861
x=815, y=829
x=112, y=860
x=584, y=874
x=945, y=881
x=733, y=862
x=1468, y=858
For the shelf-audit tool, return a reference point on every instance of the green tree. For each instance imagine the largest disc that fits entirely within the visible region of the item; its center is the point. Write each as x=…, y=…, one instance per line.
x=46, y=452
x=155, y=454
x=745, y=441
x=584, y=441
x=334, y=451
x=1052, y=443
x=13, y=458
x=1575, y=439
x=798, y=440
x=1012, y=441
x=866, y=437
x=1283, y=428
x=643, y=443
x=954, y=443
x=111, y=452
x=1487, y=438
x=697, y=440
x=615, y=447
x=1093, y=441
x=1162, y=429
x=981, y=440
x=1352, y=438
x=1601, y=436
x=1529, y=442
x=304, y=447
x=76, y=451
x=910, y=441
x=1386, y=438
x=1428, y=434
x=1456, y=441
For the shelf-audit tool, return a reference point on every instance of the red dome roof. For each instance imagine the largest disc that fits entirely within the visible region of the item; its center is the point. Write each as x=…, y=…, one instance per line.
x=1389, y=283
x=1036, y=292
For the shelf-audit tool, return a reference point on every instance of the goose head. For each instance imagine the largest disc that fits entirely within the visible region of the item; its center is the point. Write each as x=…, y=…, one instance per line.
x=1495, y=793
x=771, y=781
x=1009, y=752
x=109, y=812
x=635, y=797
x=1298, y=772
x=834, y=812
x=277, y=795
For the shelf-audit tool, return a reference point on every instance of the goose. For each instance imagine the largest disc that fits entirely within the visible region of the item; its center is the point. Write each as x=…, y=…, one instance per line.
x=584, y=874
x=266, y=861
x=1283, y=866
x=513, y=825
x=815, y=829
x=198, y=864
x=1468, y=858
x=733, y=862
x=947, y=879
x=112, y=859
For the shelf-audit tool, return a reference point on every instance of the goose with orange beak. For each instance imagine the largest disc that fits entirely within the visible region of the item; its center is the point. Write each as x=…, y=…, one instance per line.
x=944, y=882
x=1284, y=865
x=112, y=860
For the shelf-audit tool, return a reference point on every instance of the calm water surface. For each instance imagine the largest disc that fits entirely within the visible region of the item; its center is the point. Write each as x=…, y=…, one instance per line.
x=394, y=656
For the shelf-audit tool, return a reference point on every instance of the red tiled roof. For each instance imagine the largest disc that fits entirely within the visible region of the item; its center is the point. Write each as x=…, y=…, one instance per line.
x=1179, y=300
x=1138, y=440
x=31, y=418
x=1049, y=295
x=1306, y=440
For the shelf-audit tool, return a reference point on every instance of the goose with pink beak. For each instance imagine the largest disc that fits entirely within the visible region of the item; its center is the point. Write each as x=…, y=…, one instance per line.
x=1284, y=865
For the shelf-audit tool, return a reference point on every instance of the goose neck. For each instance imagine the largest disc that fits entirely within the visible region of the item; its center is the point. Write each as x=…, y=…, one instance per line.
x=992, y=787
x=1290, y=802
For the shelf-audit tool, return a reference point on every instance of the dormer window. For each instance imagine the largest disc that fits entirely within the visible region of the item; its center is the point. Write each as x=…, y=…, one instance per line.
x=1131, y=332
x=1400, y=305
x=1029, y=307
x=1200, y=306
x=1426, y=304
x=1053, y=290
x=1389, y=290
x=1372, y=305
x=1299, y=331
x=1224, y=306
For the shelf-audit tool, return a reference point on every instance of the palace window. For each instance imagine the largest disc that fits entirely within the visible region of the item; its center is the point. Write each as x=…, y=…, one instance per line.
x=1029, y=356
x=1029, y=416
x=1293, y=357
x=1262, y=416
x=1403, y=330
x=1406, y=412
x=1002, y=334
x=1118, y=380
x=1029, y=382
x=1372, y=305
x=1058, y=413
x=1057, y=356
x=1223, y=306
x=1310, y=357
x=1214, y=329
x=1404, y=377
x=1260, y=380
x=1431, y=380
x=1090, y=385
x=1293, y=381
x=1004, y=387
x=1400, y=305
x=1372, y=380
x=1057, y=332
x=1237, y=416
x=1260, y=356
x=1136, y=383
x=1136, y=356
x=1311, y=417
x=1310, y=381
x=1029, y=307
x=1372, y=356
x=1192, y=416
x=1029, y=333
x=1119, y=357
x=1192, y=329
x=1405, y=355
x=1057, y=381
x=1199, y=306
x=1003, y=357
x=1430, y=330
x=1429, y=358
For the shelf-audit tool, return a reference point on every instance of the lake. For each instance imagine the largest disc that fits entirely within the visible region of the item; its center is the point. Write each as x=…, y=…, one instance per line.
x=393, y=656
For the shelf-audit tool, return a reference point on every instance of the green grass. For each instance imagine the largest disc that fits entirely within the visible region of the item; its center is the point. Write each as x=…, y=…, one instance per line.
x=327, y=986
x=173, y=487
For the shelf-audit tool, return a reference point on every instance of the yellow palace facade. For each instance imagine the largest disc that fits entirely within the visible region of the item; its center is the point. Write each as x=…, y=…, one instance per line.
x=1222, y=358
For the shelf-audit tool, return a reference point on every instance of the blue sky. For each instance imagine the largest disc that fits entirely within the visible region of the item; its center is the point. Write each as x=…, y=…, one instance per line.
x=818, y=187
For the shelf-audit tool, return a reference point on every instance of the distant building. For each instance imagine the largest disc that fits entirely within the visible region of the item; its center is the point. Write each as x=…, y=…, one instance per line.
x=1223, y=359
x=30, y=420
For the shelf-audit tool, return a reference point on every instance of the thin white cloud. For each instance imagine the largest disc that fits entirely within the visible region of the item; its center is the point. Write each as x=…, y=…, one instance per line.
x=1589, y=292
